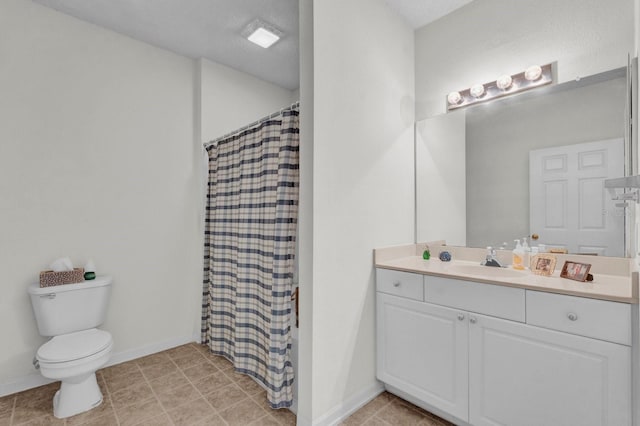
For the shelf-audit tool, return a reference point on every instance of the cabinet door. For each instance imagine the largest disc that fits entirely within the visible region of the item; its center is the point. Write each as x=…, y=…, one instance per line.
x=423, y=350
x=524, y=375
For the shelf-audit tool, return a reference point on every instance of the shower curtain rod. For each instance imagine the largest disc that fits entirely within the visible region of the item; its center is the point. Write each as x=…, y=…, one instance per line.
x=243, y=128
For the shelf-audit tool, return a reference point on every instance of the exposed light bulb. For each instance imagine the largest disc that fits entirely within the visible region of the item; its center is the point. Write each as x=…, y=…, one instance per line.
x=477, y=90
x=504, y=82
x=533, y=72
x=504, y=85
x=454, y=98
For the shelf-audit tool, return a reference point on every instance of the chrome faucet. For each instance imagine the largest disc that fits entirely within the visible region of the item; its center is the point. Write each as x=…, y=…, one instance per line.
x=492, y=258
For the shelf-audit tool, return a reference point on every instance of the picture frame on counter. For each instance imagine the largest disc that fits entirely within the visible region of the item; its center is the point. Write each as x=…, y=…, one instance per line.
x=543, y=264
x=575, y=270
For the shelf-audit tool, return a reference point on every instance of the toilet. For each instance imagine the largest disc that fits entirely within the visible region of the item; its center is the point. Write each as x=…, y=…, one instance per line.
x=69, y=314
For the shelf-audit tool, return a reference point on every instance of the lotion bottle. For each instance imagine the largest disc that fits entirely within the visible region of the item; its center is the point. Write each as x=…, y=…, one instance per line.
x=527, y=253
x=518, y=256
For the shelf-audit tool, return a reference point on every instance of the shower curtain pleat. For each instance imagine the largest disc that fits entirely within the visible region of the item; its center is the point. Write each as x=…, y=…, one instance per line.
x=250, y=235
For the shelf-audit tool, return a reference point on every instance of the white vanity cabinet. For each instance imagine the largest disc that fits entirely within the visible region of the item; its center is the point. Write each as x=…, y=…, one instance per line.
x=542, y=360
x=524, y=375
x=423, y=350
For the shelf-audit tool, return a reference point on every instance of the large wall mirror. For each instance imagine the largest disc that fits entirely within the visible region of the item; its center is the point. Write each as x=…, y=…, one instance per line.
x=534, y=163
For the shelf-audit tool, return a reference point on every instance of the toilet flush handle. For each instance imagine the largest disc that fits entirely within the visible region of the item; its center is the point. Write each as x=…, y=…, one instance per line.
x=48, y=296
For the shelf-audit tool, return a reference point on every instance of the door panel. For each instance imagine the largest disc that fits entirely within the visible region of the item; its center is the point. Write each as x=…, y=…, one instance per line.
x=569, y=206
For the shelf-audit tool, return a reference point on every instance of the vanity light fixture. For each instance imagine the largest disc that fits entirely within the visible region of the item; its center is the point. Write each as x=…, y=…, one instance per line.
x=505, y=85
x=262, y=33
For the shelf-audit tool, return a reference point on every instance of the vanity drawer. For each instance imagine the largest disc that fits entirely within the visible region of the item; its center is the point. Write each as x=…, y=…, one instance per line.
x=488, y=299
x=600, y=319
x=403, y=284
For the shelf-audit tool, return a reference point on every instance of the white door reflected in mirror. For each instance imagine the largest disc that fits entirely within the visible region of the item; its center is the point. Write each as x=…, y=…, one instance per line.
x=569, y=206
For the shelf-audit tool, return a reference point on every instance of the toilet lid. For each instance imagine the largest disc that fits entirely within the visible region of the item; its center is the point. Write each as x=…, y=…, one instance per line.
x=74, y=346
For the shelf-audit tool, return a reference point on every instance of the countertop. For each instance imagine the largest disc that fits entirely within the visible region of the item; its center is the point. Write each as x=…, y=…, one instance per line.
x=617, y=288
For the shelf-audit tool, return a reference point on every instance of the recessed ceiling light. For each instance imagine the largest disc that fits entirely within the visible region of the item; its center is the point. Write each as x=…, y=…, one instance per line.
x=262, y=34
x=263, y=37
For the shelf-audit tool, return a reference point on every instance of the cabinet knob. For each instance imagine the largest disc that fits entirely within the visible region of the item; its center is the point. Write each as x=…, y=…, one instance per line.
x=473, y=320
x=460, y=317
x=396, y=284
x=572, y=316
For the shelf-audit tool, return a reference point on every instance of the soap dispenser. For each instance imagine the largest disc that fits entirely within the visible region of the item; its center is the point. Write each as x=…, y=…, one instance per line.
x=518, y=256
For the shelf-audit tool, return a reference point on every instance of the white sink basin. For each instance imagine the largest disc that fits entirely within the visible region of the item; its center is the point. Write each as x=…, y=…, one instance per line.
x=485, y=271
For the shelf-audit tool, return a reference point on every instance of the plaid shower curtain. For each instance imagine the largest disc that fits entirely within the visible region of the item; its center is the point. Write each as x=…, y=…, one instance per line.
x=250, y=236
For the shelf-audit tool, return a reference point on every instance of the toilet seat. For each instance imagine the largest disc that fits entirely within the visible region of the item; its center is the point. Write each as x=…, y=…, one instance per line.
x=75, y=346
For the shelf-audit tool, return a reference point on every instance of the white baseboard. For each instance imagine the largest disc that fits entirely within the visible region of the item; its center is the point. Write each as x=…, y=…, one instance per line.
x=30, y=381
x=346, y=408
x=153, y=348
x=18, y=384
x=303, y=421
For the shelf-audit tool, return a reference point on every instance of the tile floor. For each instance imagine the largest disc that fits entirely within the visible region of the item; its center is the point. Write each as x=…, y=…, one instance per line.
x=187, y=386
x=181, y=386
x=387, y=409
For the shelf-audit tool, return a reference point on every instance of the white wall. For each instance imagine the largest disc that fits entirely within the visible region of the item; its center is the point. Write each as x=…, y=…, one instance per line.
x=305, y=216
x=232, y=99
x=440, y=173
x=97, y=160
x=362, y=187
x=487, y=38
x=634, y=134
x=637, y=28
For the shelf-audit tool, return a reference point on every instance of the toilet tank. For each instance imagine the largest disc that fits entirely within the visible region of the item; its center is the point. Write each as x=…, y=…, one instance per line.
x=67, y=308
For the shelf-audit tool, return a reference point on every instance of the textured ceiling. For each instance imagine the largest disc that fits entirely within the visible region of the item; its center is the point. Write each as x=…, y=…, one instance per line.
x=419, y=13
x=202, y=28
x=211, y=28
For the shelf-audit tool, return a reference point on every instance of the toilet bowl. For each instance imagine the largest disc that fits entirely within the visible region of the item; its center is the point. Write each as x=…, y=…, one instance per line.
x=73, y=359
x=69, y=314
